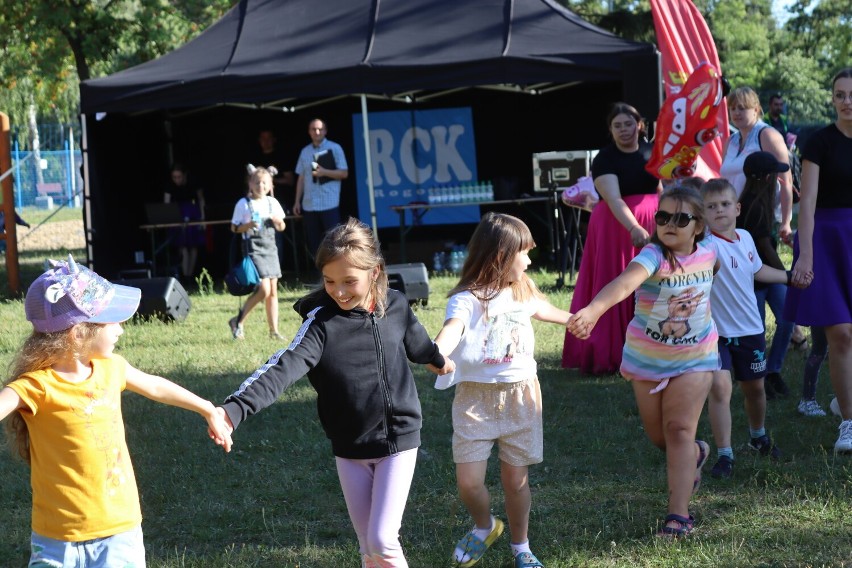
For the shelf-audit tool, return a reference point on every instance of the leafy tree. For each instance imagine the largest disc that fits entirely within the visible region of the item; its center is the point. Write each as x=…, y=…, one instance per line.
x=48, y=46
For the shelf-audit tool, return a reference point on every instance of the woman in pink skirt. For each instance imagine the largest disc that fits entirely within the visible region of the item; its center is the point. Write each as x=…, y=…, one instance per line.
x=617, y=230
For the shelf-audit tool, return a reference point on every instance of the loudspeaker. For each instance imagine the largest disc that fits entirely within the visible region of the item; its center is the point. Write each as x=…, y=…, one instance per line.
x=411, y=279
x=162, y=298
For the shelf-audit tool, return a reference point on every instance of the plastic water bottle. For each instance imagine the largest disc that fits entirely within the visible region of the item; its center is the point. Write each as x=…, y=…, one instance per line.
x=456, y=261
x=255, y=218
x=437, y=262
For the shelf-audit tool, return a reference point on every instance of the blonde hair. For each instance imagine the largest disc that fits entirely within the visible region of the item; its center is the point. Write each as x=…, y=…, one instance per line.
x=254, y=178
x=42, y=351
x=490, y=253
x=354, y=242
x=747, y=98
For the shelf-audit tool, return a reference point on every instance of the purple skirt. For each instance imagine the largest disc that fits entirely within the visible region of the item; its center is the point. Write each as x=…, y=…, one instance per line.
x=828, y=300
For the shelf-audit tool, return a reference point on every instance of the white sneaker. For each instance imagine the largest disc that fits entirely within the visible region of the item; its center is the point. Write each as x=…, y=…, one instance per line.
x=835, y=407
x=844, y=441
x=810, y=408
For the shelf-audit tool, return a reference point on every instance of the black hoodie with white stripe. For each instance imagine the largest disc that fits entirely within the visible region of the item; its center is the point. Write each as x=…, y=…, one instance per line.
x=358, y=364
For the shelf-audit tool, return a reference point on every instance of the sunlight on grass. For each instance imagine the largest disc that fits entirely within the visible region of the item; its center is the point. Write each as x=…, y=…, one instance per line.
x=598, y=497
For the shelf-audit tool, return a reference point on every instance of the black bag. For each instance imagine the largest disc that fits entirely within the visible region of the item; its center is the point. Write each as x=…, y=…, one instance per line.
x=242, y=278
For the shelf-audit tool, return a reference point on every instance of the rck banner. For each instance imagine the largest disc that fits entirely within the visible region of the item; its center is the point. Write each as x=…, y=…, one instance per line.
x=413, y=154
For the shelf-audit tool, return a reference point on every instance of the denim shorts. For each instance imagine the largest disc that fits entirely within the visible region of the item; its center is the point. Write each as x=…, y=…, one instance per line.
x=123, y=549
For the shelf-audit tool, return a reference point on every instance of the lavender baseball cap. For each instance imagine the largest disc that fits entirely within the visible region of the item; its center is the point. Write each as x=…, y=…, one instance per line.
x=68, y=294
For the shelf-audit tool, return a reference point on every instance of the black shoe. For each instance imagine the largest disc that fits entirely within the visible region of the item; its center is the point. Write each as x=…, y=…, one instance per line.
x=768, y=388
x=765, y=447
x=778, y=384
x=723, y=469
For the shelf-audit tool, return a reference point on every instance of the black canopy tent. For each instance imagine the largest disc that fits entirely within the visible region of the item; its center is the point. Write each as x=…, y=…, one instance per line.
x=292, y=55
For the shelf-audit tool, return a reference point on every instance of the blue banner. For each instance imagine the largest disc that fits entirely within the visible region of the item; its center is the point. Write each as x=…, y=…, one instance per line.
x=414, y=152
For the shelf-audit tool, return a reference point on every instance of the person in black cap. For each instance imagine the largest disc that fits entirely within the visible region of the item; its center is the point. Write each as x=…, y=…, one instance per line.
x=757, y=204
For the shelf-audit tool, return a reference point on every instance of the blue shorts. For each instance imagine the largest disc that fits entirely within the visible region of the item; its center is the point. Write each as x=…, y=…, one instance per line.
x=123, y=549
x=744, y=356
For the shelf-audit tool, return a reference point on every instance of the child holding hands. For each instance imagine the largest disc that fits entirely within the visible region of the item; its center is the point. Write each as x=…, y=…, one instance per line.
x=670, y=351
x=742, y=341
x=354, y=346
x=488, y=332
x=65, y=400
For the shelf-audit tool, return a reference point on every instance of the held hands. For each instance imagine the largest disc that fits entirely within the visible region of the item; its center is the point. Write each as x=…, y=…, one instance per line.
x=803, y=272
x=449, y=367
x=581, y=323
x=219, y=428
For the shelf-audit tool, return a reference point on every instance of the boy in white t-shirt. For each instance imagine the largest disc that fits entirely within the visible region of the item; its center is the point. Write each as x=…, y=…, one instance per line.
x=742, y=339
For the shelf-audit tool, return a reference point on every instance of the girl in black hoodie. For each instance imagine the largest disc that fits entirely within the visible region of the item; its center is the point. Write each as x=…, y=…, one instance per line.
x=354, y=345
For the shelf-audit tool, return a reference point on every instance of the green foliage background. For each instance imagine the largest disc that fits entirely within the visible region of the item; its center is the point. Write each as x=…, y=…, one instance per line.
x=48, y=46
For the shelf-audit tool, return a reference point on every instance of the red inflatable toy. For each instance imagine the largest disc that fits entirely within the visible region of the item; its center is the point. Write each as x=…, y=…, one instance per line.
x=686, y=122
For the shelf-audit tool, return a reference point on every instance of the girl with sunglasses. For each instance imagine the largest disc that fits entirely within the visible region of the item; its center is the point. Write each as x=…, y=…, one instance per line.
x=670, y=351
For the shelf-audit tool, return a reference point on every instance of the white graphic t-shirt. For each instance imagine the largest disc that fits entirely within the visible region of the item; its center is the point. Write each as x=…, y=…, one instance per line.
x=497, y=346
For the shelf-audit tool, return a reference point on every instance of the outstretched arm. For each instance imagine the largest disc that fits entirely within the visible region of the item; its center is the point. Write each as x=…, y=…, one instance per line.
x=582, y=322
x=167, y=392
x=551, y=314
x=450, y=335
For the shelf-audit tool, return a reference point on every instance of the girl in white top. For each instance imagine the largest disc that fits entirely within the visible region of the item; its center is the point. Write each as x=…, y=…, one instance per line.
x=489, y=334
x=256, y=217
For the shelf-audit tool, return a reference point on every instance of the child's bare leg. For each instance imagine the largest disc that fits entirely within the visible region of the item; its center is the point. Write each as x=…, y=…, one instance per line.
x=682, y=401
x=755, y=403
x=470, y=479
x=518, y=500
x=719, y=408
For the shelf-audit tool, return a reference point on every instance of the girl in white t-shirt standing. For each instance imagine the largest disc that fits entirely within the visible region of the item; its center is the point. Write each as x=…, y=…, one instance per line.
x=256, y=218
x=488, y=333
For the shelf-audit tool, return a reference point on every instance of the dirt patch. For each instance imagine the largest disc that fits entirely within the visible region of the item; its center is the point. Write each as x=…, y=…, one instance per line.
x=52, y=236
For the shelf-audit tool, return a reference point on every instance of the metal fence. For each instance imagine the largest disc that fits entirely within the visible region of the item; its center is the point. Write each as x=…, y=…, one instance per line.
x=50, y=177
x=53, y=180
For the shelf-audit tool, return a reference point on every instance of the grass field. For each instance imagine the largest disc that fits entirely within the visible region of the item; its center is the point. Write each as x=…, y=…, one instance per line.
x=597, y=498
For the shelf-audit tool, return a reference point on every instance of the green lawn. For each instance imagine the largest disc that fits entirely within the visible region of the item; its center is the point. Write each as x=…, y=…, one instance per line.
x=597, y=498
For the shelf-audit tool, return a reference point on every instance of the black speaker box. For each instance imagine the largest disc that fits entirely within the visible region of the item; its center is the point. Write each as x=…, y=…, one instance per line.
x=411, y=279
x=162, y=297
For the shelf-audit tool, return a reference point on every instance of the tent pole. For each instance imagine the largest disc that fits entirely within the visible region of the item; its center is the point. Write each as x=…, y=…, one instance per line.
x=369, y=151
x=87, y=190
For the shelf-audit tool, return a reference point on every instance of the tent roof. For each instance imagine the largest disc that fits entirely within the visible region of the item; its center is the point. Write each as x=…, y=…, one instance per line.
x=267, y=52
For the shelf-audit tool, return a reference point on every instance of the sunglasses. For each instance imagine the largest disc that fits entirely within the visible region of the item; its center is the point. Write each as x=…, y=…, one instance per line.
x=680, y=219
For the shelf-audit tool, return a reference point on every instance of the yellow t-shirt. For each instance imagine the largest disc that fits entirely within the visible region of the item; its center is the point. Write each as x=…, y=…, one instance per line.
x=82, y=479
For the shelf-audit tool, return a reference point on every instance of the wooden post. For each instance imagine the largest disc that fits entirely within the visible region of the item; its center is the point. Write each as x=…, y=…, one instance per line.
x=11, y=237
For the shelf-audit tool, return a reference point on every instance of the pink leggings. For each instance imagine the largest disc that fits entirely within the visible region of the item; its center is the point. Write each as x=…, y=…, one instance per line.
x=376, y=491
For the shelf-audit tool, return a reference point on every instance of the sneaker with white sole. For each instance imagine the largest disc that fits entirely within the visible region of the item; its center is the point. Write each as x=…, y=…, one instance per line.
x=835, y=407
x=844, y=441
x=810, y=408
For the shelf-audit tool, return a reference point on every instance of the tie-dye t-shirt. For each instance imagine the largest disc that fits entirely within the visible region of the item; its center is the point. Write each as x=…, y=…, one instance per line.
x=672, y=331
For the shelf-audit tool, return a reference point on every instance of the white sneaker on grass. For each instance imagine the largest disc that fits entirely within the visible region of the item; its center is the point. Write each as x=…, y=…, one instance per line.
x=810, y=408
x=835, y=407
x=844, y=441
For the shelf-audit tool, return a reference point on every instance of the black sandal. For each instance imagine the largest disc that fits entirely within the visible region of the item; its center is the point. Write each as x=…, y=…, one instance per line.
x=683, y=528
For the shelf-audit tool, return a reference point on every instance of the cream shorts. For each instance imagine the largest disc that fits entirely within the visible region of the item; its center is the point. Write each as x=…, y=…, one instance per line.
x=506, y=413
